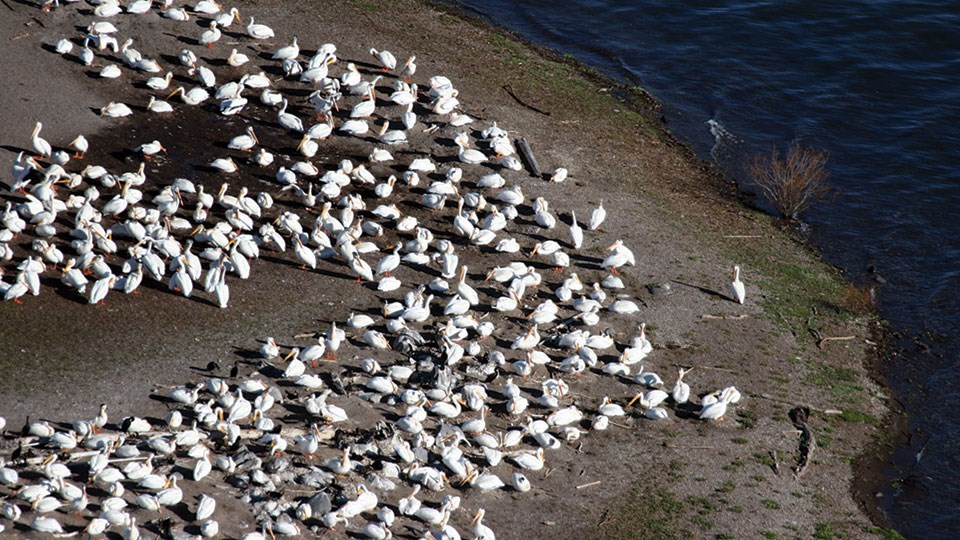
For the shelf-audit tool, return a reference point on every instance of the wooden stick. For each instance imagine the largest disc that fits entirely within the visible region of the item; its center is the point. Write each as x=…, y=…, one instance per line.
x=743, y=236
x=589, y=484
x=715, y=368
x=821, y=339
x=725, y=317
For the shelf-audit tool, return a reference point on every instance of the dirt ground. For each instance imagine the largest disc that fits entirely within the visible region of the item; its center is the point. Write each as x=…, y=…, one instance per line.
x=677, y=478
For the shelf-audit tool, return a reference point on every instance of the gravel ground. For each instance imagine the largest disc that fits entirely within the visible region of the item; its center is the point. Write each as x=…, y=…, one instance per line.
x=680, y=477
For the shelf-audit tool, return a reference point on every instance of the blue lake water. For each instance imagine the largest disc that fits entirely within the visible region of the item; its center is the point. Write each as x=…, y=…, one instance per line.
x=876, y=85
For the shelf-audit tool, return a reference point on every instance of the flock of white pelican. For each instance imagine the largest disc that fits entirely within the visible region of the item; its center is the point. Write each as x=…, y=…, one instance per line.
x=471, y=407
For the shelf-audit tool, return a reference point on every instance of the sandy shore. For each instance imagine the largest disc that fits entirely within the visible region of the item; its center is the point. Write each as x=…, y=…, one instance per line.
x=674, y=479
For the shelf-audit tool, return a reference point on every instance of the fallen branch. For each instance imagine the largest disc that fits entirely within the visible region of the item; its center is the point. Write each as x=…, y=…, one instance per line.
x=527, y=154
x=821, y=339
x=743, y=236
x=589, y=484
x=725, y=317
x=714, y=368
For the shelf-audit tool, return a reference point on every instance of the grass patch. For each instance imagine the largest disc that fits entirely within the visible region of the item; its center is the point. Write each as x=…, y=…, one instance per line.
x=881, y=532
x=747, y=418
x=769, y=534
x=794, y=288
x=826, y=531
x=838, y=381
x=645, y=516
x=858, y=417
x=703, y=505
x=734, y=465
x=703, y=522
x=727, y=487
x=771, y=504
x=563, y=79
x=739, y=440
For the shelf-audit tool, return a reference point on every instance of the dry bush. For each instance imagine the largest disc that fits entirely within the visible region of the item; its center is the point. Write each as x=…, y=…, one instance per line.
x=856, y=299
x=792, y=182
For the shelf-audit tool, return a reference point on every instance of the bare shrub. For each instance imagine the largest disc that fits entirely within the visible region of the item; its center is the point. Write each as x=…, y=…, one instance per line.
x=792, y=182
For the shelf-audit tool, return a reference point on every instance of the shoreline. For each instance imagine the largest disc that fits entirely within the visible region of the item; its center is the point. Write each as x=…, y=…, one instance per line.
x=730, y=193
x=877, y=456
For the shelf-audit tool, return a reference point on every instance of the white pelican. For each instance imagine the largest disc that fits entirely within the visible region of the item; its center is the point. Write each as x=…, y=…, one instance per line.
x=46, y=525
x=64, y=46
x=159, y=106
x=86, y=53
x=361, y=268
x=225, y=165
x=244, y=142
x=681, y=390
x=110, y=71
x=287, y=120
x=207, y=7
x=210, y=36
x=308, y=147
x=80, y=146
x=467, y=292
x=576, y=233
x=558, y=175
x=597, y=217
x=205, y=77
x=139, y=7
x=619, y=256
x=100, y=289
x=395, y=136
x=390, y=262
x=512, y=196
x=304, y=254
x=409, y=68
x=206, y=507
x=376, y=340
x=385, y=58
x=288, y=52
x=714, y=410
x=237, y=59
x=108, y=9
x=527, y=341
x=366, y=107
x=224, y=20
x=194, y=96
x=467, y=154
x=151, y=148
x=737, y=290
x=176, y=14
x=172, y=495
x=160, y=83
x=259, y=31
x=40, y=145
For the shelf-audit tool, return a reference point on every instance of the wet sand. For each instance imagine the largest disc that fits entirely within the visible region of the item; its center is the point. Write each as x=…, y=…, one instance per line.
x=60, y=358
